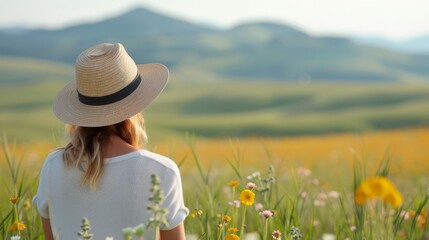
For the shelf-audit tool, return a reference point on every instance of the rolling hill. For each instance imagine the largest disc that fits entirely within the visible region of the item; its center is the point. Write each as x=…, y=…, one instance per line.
x=415, y=45
x=219, y=106
x=259, y=50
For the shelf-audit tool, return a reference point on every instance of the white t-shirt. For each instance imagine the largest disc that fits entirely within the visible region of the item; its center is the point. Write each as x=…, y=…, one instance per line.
x=120, y=200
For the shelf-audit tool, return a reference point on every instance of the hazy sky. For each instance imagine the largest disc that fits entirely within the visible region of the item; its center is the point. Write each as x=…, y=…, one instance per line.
x=397, y=19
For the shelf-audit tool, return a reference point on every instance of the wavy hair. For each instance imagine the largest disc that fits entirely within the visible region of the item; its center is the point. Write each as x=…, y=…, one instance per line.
x=84, y=151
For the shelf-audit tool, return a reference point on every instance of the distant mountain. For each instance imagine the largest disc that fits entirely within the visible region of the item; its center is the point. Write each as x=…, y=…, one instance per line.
x=270, y=29
x=139, y=28
x=15, y=30
x=259, y=50
x=416, y=45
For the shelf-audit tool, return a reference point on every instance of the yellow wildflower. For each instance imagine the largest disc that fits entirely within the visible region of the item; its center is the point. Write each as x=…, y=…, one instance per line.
x=394, y=198
x=18, y=226
x=233, y=183
x=196, y=212
x=421, y=221
x=27, y=204
x=13, y=200
x=226, y=218
x=412, y=214
x=378, y=187
x=232, y=237
x=247, y=197
x=232, y=230
x=360, y=196
x=421, y=218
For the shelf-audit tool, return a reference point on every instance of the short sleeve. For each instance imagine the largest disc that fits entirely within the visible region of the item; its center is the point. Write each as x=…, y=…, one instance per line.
x=173, y=201
x=41, y=199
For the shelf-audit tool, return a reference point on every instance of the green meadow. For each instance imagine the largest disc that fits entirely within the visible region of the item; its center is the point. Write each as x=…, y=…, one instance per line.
x=209, y=105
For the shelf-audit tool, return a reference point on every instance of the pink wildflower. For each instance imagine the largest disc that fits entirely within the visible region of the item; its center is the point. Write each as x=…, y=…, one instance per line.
x=259, y=206
x=250, y=185
x=266, y=213
x=303, y=171
x=277, y=235
x=405, y=214
x=333, y=194
x=323, y=196
x=319, y=203
x=235, y=203
x=315, y=182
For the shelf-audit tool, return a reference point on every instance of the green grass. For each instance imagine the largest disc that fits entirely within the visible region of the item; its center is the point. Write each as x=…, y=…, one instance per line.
x=276, y=109
x=22, y=71
x=315, y=208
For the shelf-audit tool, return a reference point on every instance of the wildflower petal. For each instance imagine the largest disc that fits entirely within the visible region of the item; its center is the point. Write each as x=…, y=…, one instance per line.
x=232, y=237
x=247, y=197
x=13, y=200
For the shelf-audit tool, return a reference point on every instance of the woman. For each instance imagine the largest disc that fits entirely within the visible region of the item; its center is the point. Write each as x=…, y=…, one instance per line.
x=103, y=174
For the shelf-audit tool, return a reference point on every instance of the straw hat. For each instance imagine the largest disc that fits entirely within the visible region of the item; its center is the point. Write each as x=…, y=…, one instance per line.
x=109, y=87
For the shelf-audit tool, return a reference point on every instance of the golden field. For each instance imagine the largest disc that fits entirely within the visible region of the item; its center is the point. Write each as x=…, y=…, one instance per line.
x=331, y=162
x=327, y=155
x=407, y=148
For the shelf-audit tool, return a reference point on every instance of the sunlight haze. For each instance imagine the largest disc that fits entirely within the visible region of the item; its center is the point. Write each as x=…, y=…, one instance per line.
x=387, y=18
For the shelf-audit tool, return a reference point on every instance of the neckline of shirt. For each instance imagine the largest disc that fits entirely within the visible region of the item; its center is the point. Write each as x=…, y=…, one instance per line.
x=123, y=157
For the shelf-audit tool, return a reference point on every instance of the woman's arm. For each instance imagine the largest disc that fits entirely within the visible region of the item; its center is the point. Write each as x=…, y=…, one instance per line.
x=177, y=233
x=47, y=229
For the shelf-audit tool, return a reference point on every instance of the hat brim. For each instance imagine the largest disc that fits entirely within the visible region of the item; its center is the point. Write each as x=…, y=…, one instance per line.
x=70, y=110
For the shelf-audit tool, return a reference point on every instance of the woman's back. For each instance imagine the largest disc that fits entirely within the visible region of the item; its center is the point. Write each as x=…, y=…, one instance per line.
x=120, y=199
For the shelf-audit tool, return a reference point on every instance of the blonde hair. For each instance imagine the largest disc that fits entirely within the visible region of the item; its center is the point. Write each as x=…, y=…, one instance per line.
x=86, y=146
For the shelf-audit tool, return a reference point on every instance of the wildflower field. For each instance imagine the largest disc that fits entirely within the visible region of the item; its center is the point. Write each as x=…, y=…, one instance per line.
x=345, y=186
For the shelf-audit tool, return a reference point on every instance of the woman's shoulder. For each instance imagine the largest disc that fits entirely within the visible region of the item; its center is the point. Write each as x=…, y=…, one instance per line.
x=52, y=160
x=158, y=159
x=55, y=155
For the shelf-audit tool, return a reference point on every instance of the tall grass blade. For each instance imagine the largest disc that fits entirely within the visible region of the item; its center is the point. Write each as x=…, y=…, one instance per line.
x=235, y=169
x=384, y=166
x=417, y=215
